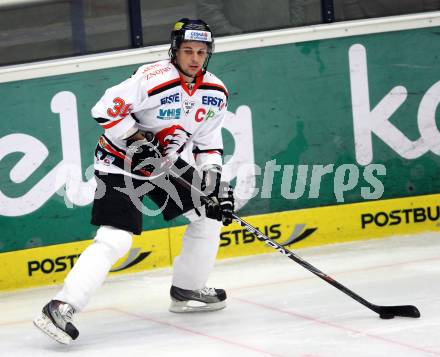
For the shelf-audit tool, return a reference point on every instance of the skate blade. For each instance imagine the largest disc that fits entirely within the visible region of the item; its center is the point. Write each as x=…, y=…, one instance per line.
x=48, y=327
x=195, y=306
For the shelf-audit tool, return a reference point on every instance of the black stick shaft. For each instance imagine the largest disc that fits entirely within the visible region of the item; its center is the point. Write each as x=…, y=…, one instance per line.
x=262, y=237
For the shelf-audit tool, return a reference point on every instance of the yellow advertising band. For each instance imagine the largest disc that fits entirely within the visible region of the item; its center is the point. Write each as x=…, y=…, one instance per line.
x=300, y=228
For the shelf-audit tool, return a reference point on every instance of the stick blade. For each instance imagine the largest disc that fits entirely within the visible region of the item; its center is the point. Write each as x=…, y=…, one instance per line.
x=402, y=310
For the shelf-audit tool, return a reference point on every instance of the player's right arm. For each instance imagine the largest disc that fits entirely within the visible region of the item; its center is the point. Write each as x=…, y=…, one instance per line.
x=113, y=111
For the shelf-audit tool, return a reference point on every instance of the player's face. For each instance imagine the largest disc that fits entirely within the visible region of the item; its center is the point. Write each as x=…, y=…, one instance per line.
x=191, y=56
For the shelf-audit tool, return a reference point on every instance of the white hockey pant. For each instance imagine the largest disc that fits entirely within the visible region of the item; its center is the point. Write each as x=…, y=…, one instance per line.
x=93, y=265
x=199, y=250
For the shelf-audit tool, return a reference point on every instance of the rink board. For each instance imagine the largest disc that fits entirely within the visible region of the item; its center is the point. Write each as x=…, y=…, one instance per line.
x=305, y=228
x=291, y=104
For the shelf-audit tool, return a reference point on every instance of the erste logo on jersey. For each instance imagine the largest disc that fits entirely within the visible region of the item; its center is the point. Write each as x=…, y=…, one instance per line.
x=204, y=114
x=173, y=98
x=214, y=101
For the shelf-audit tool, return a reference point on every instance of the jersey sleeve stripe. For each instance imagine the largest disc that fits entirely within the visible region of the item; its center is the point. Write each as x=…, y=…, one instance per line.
x=208, y=151
x=101, y=120
x=214, y=86
x=111, y=124
x=164, y=86
x=106, y=123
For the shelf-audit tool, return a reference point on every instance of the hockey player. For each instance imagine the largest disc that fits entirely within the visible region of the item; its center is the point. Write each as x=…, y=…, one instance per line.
x=167, y=106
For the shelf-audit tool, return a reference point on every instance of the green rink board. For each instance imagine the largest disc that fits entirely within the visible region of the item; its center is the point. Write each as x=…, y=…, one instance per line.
x=302, y=114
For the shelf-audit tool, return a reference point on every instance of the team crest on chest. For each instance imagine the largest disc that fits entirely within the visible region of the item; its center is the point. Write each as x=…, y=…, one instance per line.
x=188, y=105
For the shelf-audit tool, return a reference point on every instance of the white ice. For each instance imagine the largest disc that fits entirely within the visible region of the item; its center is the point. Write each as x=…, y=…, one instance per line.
x=275, y=308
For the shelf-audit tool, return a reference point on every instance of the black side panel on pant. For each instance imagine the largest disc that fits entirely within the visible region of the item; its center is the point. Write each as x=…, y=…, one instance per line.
x=119, y=206
x=112, y=207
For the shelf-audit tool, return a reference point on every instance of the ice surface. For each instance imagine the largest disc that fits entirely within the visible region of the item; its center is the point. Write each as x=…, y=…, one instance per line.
x=275, y=308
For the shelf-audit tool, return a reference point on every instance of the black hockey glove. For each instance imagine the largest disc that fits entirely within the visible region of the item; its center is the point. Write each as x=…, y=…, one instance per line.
x=227, y=205
x=143, y=152
x=221, y=207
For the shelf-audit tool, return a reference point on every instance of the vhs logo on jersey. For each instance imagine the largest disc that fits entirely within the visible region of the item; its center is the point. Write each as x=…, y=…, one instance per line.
x=169, y=114
x=173, y=98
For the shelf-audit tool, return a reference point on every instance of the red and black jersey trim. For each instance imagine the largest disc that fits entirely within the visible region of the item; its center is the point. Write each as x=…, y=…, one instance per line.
x=106, y=147
x=106, y=123
x=164, y=86
x=197, y=151
x=102, y=121
x=213, y=86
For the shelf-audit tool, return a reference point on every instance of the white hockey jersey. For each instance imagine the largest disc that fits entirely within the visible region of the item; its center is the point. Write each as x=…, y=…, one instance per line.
x=156, y=98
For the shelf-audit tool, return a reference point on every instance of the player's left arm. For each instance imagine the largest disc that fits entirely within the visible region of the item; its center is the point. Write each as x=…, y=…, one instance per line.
x=208, y=151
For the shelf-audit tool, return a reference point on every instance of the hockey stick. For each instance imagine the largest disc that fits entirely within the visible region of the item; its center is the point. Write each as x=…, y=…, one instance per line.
x=385, y=312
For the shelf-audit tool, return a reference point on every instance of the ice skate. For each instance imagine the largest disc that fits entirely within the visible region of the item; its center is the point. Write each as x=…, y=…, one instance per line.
x=206, y=299
x=55, y=320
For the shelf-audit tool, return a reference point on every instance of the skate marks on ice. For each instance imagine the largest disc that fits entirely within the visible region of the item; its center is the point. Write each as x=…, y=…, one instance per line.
x=275, y=308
